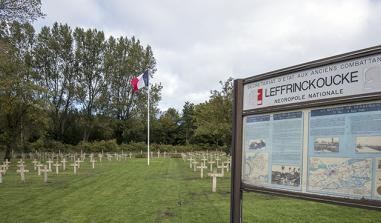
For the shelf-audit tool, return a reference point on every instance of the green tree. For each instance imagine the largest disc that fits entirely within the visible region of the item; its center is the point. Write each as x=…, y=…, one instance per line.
x=59, y=77
x=214, y=117
x=169, y=125
x=89, y=68
x=21, y=108
x=124, y=60
x=54, y=61
x=20, y=10
x=188, y=121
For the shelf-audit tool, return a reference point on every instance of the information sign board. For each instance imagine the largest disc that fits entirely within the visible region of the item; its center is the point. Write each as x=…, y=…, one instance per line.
x=311, y=131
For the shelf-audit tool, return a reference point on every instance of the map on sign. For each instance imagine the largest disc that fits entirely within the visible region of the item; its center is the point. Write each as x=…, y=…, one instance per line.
x=333, y=151
x=256, y=168
x=341, y=176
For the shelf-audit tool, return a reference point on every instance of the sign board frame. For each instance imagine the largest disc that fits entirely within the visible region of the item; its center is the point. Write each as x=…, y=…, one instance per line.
x=237, y=186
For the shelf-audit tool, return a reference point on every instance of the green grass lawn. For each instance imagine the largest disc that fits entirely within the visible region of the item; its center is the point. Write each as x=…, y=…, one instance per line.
x=167, y=191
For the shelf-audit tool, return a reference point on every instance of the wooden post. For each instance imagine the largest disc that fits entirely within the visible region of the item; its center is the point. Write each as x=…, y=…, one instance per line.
x=236, y=192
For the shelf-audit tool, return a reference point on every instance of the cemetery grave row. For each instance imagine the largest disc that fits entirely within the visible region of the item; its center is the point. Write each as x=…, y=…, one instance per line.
x=214, y=162
x=43, y=163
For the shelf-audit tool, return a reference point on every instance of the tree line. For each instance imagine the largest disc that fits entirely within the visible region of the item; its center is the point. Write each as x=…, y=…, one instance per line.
x=70, y=86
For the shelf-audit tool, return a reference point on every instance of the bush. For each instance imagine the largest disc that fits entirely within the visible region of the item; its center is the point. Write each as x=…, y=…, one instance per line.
x=178, y=155
x=99, y=146
x=44, y=145
x=138, y=155
x=137, y=146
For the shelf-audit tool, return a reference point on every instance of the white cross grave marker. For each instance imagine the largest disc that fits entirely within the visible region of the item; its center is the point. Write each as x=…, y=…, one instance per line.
x=50, y=164
x=2, y=171
x=34, y=164
x=21, y=162
x=226, y=165
x=214, y=181
x=211, y=165
x=217, y=159
x=4, y=168
x=57, y=165
x=93, y=162
x=202, y=167
x=74, y=165
x=22, y=172
x=7, y=163
x=222, y=167
x=79, y=163
x=63, y=161
x=45, y=170
x=203, y=160
x=194, y=166
x=39, y=168
x=190, y=162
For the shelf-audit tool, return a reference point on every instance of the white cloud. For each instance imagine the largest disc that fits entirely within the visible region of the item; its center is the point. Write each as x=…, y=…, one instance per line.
x=197, y=43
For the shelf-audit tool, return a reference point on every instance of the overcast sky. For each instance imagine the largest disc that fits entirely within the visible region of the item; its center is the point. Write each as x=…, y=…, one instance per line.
x=200, y=42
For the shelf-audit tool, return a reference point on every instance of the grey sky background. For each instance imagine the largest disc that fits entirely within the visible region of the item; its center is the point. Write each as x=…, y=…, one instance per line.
x=200, y=42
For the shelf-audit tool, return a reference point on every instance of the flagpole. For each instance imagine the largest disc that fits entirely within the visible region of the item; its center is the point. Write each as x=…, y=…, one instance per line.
x=148, y=123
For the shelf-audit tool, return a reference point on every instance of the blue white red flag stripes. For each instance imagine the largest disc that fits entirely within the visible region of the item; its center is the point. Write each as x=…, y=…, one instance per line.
x=141, y=81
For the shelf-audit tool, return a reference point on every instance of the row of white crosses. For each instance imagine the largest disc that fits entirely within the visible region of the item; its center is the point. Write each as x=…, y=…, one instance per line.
x=45, y=168
x=41, y=168
x=211, y=159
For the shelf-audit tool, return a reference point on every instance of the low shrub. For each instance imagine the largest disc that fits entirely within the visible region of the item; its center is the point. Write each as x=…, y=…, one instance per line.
x=178, y=155
x=44, y=145
x=138, y=155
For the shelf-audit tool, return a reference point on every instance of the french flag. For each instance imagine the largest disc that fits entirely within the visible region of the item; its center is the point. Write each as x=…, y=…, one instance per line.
x=141, y=81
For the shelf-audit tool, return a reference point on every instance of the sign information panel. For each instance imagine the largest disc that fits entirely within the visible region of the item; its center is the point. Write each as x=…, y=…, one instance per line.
x=352, y=77
x=344, y=151
x=273, y=146
x=342, y=157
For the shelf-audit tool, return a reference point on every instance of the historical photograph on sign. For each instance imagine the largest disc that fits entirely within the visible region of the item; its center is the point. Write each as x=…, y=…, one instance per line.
x=368, y=144
x=257, y=144
x=328, y=144
x=256, y=168
x=285, y=175
x=342, y=176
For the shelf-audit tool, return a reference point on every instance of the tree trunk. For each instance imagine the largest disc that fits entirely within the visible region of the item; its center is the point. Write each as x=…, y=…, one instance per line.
x=8, y=150
x=186, y=137
x=86, y=134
